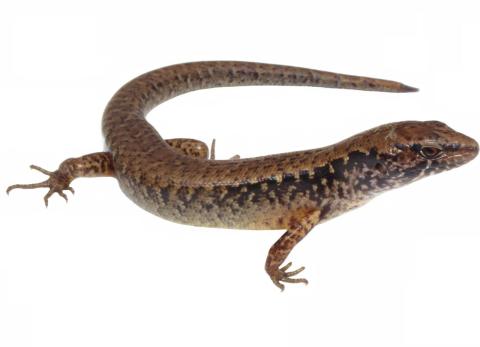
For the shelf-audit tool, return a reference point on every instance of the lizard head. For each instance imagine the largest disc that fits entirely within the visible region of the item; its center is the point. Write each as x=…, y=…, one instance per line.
x=412, y=150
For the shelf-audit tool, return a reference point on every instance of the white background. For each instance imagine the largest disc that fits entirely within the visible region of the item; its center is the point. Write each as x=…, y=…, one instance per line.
x=404, y=270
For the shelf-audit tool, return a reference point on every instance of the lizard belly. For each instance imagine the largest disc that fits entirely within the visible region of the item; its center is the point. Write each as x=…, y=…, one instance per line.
x=259, y=205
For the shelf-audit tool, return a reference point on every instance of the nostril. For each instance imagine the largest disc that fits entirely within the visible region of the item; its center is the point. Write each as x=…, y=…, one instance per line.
x=468, y=146
x=474, y=146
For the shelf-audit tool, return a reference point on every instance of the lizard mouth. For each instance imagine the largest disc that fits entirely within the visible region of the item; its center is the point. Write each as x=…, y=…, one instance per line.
x=469, y=148
x=466, y=152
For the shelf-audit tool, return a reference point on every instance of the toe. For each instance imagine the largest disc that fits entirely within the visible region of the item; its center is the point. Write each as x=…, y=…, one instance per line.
x=285, y=268
x=295, y=280
x=47, y=196
x=62, y=194
x=42, y=170
x=295, y=272
x=279, y=285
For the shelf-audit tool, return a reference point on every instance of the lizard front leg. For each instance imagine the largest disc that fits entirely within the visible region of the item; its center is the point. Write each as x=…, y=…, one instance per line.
x=299, y=227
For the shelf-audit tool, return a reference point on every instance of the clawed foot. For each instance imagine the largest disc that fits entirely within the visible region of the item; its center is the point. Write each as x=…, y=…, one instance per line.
x=212, y=152
x=281, y=275
x=57, y=182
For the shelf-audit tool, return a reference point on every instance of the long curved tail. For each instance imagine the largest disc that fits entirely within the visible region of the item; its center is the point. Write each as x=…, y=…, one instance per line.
x=136, y=98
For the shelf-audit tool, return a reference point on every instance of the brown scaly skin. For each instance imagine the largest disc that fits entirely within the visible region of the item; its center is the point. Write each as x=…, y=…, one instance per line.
x=294, y=191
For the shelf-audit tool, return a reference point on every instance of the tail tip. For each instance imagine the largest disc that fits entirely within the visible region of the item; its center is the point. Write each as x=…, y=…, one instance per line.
x=408, y=89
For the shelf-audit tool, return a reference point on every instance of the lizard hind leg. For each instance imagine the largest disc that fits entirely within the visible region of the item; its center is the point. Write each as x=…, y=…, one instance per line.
x=194, y=148
x=90, y=165
x=298, y=229
x=56, y=182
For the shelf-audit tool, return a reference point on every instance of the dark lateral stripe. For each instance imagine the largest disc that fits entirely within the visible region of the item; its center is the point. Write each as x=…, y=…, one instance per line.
x=284, y=190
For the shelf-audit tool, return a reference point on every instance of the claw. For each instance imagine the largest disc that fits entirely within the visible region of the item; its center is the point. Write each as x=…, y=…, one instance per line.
x=62, y=194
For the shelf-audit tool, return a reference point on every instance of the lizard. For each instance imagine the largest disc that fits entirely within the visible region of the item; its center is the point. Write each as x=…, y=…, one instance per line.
x=178, y=181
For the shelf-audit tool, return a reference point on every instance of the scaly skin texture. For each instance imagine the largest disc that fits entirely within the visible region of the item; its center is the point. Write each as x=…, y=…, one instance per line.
x=295, y=191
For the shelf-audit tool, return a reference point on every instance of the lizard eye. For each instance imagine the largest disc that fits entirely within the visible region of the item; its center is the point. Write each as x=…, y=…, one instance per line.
x=429, y=152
